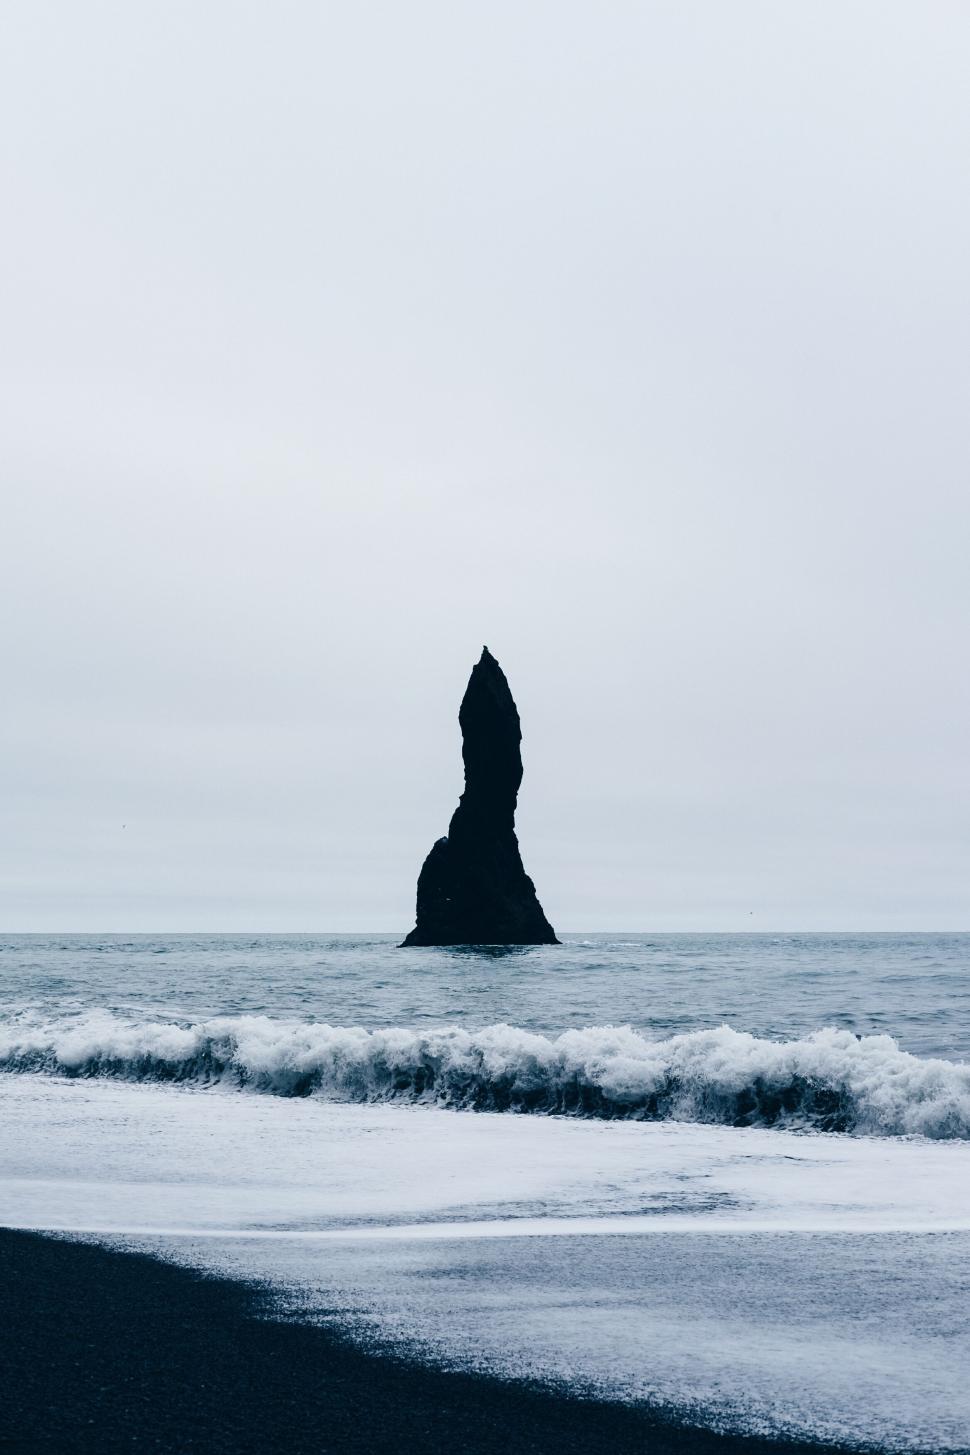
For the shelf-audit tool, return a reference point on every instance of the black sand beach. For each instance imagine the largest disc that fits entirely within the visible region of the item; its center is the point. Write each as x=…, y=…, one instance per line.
x=107, y=1351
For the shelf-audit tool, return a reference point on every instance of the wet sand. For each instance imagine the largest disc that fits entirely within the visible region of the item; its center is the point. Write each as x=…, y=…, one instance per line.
x=106, y=1351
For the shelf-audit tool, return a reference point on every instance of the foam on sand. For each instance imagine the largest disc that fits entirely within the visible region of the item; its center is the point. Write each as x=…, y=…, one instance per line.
x=740, y=1261
x=105, y=1155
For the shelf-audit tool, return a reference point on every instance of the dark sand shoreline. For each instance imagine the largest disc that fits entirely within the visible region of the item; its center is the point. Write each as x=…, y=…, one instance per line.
x=106, y=1351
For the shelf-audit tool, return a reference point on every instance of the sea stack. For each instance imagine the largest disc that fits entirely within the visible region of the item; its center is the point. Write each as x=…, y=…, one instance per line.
x=472, y=889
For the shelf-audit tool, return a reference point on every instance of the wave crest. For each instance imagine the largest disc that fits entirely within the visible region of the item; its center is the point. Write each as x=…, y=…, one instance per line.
x=828, y=1081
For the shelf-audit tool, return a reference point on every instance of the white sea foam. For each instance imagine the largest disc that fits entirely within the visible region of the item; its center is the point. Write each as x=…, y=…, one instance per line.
x=739, y=1262
x=830, y=1080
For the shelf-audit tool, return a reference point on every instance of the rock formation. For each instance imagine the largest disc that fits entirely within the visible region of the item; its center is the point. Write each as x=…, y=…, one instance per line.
x=472, y=889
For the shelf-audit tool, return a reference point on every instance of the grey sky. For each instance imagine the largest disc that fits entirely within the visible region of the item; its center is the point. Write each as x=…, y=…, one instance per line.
x=631, y=339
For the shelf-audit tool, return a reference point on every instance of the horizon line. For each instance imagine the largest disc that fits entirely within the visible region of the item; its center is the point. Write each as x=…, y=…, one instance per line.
x=362, y=933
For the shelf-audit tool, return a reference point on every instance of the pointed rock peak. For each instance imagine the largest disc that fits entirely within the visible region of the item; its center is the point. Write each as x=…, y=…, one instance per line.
x=488, y=715
x=488, y=669
x=473, y=889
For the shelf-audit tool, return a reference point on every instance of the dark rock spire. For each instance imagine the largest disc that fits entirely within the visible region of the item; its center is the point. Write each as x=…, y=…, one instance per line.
x=472, y=889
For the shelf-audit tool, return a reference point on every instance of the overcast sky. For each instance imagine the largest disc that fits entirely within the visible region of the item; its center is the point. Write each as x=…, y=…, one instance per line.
x=631, y=339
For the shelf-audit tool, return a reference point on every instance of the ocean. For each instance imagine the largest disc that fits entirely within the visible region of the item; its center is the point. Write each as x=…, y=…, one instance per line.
x=727, y=1175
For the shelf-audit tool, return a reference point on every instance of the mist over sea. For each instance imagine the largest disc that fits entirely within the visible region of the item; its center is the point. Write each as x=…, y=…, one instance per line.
x=728, y=1175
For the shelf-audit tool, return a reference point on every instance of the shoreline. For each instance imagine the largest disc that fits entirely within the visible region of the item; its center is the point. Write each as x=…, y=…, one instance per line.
x=106, y=1350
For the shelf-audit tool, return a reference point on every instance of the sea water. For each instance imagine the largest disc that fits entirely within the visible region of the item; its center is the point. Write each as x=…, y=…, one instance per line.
x=726, y=1174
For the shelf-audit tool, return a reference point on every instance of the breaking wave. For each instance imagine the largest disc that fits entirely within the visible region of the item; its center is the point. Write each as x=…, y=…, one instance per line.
x=828, y=1081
